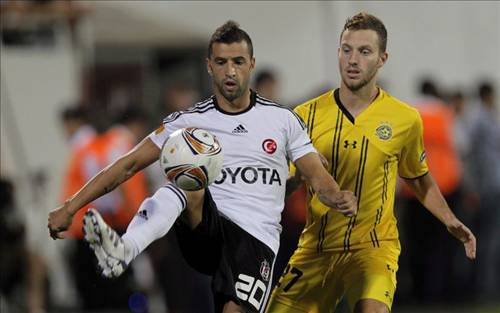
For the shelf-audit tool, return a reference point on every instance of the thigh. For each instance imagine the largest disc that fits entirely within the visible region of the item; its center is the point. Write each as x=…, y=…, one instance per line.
x=308, y=284
x=245, y=269
x=201, y=247
x=371, y=274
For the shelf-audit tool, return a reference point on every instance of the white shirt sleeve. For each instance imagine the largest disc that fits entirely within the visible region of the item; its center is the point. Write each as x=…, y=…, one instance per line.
x=299, y=143
x=170, y=124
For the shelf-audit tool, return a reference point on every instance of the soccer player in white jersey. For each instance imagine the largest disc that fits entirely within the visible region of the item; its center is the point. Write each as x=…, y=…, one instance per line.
x=231, y=229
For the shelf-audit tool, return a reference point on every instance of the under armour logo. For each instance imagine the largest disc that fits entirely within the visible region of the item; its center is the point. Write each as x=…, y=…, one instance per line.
x=352, y=144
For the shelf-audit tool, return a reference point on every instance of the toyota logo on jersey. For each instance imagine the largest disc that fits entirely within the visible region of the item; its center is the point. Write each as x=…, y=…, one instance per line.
x=269, y=146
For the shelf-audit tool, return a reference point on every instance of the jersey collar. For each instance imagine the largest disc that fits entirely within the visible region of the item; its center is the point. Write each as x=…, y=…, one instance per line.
x=336, y=95
x=253, y=97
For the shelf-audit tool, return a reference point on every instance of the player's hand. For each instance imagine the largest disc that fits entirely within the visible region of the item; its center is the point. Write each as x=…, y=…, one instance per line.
x=59, y=221
x=462, y=233
x=344, y=202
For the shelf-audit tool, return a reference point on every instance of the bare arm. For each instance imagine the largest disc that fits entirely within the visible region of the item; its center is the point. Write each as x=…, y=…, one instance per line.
x=327, y=189
x=428, y=193
x=294, y=182
x=142, y=155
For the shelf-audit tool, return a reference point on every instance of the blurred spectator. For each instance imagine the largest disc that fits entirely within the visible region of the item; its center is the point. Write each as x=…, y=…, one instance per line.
x=178, y=97
x=14, y=255
x=461, y=130
x=430, y=250
x=267, y=84
x=23, y=271
x=117, y=207
x=77, y=130
x=485, y=166
x=28, y=22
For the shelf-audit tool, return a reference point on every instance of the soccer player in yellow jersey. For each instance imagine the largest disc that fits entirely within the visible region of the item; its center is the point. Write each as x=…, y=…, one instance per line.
x=368, y=137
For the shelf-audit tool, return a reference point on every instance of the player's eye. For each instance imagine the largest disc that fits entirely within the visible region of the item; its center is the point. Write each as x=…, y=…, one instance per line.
x=239, y=61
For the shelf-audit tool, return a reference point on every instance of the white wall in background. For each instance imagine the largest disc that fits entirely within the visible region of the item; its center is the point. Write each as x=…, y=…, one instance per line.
x=458, y=42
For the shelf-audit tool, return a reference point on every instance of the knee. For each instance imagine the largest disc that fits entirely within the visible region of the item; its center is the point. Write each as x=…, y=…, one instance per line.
x=370, y=306
x=231, y=307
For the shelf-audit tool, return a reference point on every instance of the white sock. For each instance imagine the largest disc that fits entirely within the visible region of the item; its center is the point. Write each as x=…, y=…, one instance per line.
x=153, y=220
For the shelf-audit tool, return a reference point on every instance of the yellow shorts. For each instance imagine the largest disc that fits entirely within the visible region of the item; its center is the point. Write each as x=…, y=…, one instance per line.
x=316, y=282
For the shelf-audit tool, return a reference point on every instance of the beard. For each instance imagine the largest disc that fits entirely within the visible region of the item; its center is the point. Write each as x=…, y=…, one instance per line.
x=230, y=95
x=364, y=81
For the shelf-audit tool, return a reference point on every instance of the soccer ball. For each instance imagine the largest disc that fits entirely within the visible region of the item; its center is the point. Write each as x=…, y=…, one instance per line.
x=191, y=158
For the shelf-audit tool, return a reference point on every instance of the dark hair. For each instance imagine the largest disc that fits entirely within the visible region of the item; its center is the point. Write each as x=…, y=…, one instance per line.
x=129, y=114
x=229, y=33
x=484, y=90
x=263, y=76
x=429, y=87
x=74, y=112
x=364, y=20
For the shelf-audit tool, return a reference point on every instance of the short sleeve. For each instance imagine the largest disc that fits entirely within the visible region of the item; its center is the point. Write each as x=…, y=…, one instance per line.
x=299, y=143
x=170, y=124
x=412, y=163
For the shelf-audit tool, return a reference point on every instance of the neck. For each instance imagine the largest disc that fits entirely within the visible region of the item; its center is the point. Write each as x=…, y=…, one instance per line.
x=234, y=106
x=357, y=101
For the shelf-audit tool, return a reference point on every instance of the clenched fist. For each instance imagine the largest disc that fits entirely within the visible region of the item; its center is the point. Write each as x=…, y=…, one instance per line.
x=59, y=221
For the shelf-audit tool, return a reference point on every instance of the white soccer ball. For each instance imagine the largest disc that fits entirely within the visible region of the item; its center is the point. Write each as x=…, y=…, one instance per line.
x=191, y=158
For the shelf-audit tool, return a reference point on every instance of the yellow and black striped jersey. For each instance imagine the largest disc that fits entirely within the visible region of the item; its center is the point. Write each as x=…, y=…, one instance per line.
x=365, y=154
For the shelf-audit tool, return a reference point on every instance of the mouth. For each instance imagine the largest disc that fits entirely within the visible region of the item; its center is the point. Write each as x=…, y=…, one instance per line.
x=230, y=85
x=353, y=73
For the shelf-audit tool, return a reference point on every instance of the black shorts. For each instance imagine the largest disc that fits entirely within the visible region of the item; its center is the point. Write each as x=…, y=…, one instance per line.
x=240, y=265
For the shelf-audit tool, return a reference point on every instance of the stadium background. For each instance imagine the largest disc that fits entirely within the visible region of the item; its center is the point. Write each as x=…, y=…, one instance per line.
x=107, y=53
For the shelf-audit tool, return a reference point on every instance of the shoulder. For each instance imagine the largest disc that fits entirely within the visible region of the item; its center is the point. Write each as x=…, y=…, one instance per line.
x=198, y=108
x=323, y=99
x=276, y=108
x=400, y=108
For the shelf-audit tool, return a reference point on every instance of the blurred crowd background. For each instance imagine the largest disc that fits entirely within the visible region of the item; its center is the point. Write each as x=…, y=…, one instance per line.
x=83, y=81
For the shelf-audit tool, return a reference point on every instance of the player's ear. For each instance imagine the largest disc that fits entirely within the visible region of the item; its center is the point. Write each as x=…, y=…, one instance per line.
x=252, y=63
x=209, y=67
x=382, y=59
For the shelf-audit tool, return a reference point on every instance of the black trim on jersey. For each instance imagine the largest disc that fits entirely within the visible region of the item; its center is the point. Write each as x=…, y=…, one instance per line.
x=374, y=238
x=264, y=101
x=310, y=118
x=321, y=234
x=386, y=181
x=200, y=107
x=415, y=177
x=347, y=233
x=336, y=95
x=357, y=190
x=253, y=96
x=178, y=193
x=336, y=141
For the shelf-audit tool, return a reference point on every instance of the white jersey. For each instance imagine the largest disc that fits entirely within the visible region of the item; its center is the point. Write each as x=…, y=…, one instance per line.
x=257, y=144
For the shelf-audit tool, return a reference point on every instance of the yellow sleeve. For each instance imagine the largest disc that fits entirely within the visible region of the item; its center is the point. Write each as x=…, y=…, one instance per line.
x=412, y=163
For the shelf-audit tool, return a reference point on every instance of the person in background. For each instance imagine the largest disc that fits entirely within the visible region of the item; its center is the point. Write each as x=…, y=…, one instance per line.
x=484, y=163
x=267, y=84
x=117, y=208
x=430, y=256
x=77, y=130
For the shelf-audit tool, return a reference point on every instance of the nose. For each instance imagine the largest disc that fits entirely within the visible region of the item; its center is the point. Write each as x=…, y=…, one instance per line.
x=353, y=58
x=230, y=69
